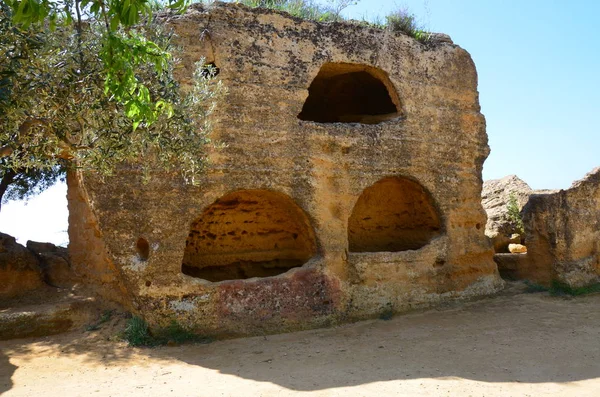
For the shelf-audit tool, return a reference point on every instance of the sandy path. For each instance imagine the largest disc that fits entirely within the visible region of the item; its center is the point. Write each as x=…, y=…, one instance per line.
x=523, y=345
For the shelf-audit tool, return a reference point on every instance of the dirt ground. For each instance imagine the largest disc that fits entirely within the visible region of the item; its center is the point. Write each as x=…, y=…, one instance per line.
x=519, y=345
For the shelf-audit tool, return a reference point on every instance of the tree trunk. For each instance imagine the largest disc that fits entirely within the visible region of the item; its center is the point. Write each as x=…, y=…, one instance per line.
x=7, y=179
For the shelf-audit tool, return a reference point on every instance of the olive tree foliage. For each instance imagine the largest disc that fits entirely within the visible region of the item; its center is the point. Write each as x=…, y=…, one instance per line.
x=89, y=84
x=123, y=48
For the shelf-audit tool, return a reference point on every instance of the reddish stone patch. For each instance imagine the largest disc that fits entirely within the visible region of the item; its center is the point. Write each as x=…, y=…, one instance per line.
x=305, y=295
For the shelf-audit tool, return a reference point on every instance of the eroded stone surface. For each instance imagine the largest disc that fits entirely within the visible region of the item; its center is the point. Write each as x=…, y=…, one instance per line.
x=434, y=135
x=395, y=214
x=54, y=264
x=495, y=197
x=248, y=233
x=37, y=266
x=19, y=269
x=563, y=233
x=54, y=315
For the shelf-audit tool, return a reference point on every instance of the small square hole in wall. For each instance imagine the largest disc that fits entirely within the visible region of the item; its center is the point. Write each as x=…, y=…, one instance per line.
x=143, y=249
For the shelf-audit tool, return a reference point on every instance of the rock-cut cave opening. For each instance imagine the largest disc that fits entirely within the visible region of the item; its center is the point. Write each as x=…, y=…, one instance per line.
x=394, y=214
x=248, y=233
x=350, y=93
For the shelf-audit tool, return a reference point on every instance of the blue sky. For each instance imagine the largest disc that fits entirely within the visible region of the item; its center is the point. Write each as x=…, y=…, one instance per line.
x=539, y=79
x=539, y=82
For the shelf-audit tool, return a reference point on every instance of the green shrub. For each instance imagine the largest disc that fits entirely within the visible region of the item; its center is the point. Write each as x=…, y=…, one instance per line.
x=405, y=22
x=513, y=212
x=305, y=9
x=387, y=313
x=533, y=287
x=137, y=333
x=105, y=317
x=176, y=334
x=559, y=288
x=399, y=21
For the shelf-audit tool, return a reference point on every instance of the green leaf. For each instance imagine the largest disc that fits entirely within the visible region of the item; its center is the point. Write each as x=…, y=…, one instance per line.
x=53, y=22
x=114, y=23
x=95, y=7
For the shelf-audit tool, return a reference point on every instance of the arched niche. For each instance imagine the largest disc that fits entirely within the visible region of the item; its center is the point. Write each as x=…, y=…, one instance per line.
x=394, y=214
x=248, y=233
x=351, y=93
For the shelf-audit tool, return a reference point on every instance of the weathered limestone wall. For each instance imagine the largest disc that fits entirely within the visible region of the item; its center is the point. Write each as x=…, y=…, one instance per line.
x=433, y=136
x=563, y=234
x=90, y=260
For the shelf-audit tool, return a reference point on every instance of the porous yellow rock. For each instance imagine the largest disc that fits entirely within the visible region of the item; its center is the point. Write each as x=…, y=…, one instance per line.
x=348, y=186
x=563, y=233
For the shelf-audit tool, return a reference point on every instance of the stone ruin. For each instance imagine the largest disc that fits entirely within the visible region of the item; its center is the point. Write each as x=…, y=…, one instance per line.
x=562, y=231
x=348, y=185
x=27, y=269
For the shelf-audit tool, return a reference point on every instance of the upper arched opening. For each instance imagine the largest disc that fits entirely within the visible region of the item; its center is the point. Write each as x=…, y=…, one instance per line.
x=351, y=93
x=248, y=233
x=394, y=214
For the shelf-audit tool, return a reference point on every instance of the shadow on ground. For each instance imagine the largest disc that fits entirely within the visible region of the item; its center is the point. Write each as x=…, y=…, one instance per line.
x=6, y=371
x=528, y=338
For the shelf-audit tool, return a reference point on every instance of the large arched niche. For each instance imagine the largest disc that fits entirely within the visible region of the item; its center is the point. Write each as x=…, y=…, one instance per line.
x=351, y=93
x=248, y=233
x=394, y=214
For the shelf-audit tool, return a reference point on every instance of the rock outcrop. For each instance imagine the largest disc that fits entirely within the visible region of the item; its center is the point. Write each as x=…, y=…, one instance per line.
x=563, y=234
x=332, y=133
x=38, y=265
x=54, y=263
x=46, y=312
x=495, y=197
x=20, y=271
x=562, y=231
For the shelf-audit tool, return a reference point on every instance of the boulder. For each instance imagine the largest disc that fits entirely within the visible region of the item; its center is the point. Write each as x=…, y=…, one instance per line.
x=38, y=248
x=57, y=268
x=54, y=263
x=517, y=249
x=19, y=269
x=494, y=198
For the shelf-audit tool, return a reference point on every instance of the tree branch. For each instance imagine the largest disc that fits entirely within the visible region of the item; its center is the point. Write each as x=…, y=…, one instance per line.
x=31, y=123
x=6, y=151
x=78, y=27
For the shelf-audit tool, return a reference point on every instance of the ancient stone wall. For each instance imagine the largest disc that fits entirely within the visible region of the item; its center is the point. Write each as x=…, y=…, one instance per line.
x=349, y=184
x=563, y=234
